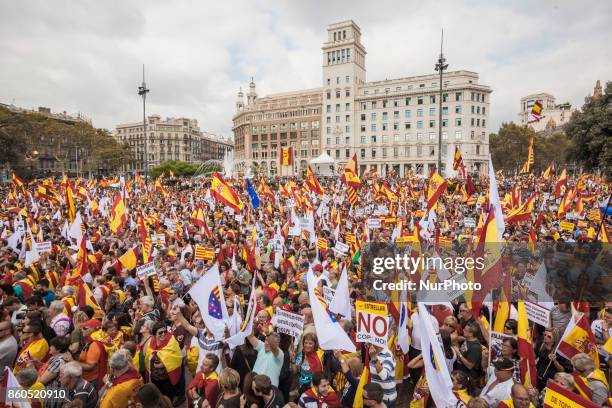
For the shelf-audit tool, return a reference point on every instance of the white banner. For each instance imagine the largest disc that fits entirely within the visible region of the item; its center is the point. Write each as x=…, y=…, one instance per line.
x=537, y=313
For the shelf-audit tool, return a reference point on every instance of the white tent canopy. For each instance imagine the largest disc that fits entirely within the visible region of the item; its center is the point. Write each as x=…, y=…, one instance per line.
x=324, y=165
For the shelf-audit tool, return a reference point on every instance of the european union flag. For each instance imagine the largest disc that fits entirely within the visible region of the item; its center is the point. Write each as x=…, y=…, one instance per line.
x=253, y=194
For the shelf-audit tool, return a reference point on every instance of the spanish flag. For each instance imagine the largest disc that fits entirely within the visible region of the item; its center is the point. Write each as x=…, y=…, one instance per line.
x=286, y=156
x=578, y=338
x=16, y=180
x=556, y=396
x=363, y=380
x=222, y=192
x=197, y=217
x=70, y=202
x=562, y=182
x=525, y=348
x=33, y=350
x=549, y=170
x=437, y=185
x=118, y=217
x=129, y=259
x=86, y=298
x=169, y=353
x=522, y=212
x=351, y=173
x=458, y=162
x=312, y=182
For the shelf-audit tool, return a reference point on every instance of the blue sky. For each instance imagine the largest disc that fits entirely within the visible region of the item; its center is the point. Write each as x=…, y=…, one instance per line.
x=86, y=56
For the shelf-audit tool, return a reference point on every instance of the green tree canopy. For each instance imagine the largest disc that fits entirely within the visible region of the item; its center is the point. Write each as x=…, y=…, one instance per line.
x=179, y=168
x=591, y=133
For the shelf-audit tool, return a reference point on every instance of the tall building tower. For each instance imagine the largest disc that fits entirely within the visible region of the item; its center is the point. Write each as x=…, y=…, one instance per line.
x=343, y=73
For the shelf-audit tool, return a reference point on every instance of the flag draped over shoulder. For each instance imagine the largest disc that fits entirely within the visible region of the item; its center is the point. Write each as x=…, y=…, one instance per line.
x=169, y=353
x=222, y=192
x=208, y=294
x=438, y=378
x=330, y=334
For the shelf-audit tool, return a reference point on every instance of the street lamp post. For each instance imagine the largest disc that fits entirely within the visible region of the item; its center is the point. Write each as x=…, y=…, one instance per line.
x=142, y=91
x=440, y=67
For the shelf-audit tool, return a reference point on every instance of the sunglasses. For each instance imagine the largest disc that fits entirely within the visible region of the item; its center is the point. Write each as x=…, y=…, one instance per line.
x=161, y=332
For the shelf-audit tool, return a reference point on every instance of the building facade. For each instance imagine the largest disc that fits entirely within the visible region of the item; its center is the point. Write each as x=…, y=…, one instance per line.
x=553, y=115
x=170, y=139
x=390, y=124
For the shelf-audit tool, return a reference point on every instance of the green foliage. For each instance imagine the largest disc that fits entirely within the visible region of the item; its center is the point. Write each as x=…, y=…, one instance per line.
x=23, y=134
x=510, y=145
x=591, y=133
x=179, y=168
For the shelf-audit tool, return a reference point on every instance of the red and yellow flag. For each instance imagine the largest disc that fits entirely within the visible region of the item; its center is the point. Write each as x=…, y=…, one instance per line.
x=561, y=182
x=70, y=202
x=437, y=185
x=129, y=259
x=204, y=253
x=525, y=348
x=286, y=156
x=222, y=192
x=578, y=338
x=556, y=396
x=522, y=212
x=312, y=182
x=145, y=240
x=351, y=173
x=118, y=217
x=530, y=159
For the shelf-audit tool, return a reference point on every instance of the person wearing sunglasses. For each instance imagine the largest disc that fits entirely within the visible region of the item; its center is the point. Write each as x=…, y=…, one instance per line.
x=34, y=346
x=373, y=396
x=164, y=363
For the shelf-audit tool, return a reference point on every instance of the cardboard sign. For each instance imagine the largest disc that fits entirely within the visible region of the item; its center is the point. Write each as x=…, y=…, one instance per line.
x=372, y=323
x=289, y=323
x=537, y=313
x=567, y=226
x=373, y=223
x=341, y=247
x=44, y=246
x=146, y=270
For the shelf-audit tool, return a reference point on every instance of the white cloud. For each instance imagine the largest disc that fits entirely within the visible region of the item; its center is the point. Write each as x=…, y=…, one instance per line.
x=86, y=56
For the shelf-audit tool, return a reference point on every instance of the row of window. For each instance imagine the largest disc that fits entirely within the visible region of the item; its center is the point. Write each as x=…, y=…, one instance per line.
x=396, y=138
x=273, y=146
x=477, y=122
x=419, y=112
x=420, y=100
x=283, y=136
x=274, y=155
x=421, y=151
x=339, y=56
x=347, y=93
x=283, y=127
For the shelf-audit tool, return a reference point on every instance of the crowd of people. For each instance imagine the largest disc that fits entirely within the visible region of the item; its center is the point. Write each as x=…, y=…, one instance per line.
x=79, y=316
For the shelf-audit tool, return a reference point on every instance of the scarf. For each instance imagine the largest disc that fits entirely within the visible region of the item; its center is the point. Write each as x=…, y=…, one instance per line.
x=315, y=360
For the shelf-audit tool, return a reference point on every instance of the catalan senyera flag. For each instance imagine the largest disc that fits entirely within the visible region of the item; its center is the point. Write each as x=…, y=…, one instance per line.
x=352, y=195
x=312, y=182
x=222, y=192
x=145, y=240
x=530, y=159
x=204, y=253
x=523, y=212
x=578, y=338
x=437, y=185
x=70, y=202
x=561, y=182
x=556, y=396
x=351, y=173
x=286, y=156
x=525, y=348
x=322, y=244
x=118, y=218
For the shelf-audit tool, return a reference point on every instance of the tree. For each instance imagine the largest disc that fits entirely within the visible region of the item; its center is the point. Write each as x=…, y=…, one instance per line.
x=591, y=133
x=179, y=168
x=510, y=145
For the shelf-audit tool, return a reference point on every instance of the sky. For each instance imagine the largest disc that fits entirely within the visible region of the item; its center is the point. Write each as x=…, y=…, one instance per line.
x=87, y=55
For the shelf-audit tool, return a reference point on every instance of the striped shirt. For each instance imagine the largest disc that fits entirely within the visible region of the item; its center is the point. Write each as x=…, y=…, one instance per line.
x=386, y=376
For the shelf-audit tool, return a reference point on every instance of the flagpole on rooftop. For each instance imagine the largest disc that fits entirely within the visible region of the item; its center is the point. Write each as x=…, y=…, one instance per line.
x=440, y=67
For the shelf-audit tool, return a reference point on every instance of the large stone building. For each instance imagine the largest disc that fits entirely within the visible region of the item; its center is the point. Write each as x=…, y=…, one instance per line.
x=171, y=139
x=553, y=115
x=390, y=124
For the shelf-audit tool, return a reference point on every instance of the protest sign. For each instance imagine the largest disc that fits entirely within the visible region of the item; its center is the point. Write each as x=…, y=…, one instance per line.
x=373, y=223
x=341, y=247
x=372, y=323
x=328, y=294
x=537, y=313
x=289, y=323
x=145, y=270
x=44, y=246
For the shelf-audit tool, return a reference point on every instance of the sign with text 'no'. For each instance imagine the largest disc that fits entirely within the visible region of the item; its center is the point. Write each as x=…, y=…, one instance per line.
x=372, y=323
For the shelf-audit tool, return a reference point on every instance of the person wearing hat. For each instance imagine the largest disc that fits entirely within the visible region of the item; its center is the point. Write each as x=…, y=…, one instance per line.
x=499, y=386
x=93, y=356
